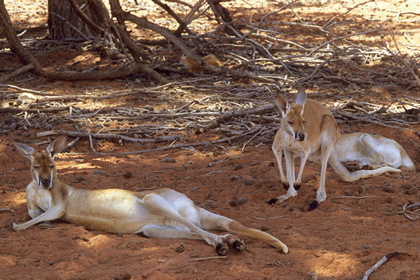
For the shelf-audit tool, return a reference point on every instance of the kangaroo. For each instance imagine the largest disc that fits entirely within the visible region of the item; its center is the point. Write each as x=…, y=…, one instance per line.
x=163, y=213
x=372, y=151
x=308, y=130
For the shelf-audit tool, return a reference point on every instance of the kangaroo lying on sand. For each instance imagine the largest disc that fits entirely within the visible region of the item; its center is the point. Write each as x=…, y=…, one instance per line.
x=373, y=151
x=162, y=213
x=309, y=130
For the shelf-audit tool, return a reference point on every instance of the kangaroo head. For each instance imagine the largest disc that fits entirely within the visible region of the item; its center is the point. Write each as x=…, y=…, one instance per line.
x=43, y=169
x=293, y=122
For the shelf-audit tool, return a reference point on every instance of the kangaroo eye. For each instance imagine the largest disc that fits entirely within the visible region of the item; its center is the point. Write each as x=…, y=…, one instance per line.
x=52, y=165
x=289, y=122
x=36, y=166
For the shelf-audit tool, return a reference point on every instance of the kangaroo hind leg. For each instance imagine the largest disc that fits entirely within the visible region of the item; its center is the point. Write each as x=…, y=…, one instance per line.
x=367, y=146
x=328, y=139
x=166, y=208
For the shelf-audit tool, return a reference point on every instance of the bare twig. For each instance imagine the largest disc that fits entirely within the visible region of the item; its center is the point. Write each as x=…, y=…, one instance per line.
x=408, y=206
x=180, y=146
x=247, y=142
x=269, y=218
x=21, y=70
x=7, y=210
x=106, y=136
x=25, y=89
x=348, y=196
x=335, y=54
x=326, y=25
x=208, y=258
x=366, y=120
x=379, y=263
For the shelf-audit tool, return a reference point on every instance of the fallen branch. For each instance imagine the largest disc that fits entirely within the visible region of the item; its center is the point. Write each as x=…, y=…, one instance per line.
x=269, y=218
x=407, y=206
x=328, y=23
x=182, y=146
x=7, y=210
x=24, y=89
x=45, y=110
x=27, y=58
x=21, y=70
x=231, y=114
x=348, y=196
x=208, y=258
x=379, y=263
x=107, y=136
x=366, y=120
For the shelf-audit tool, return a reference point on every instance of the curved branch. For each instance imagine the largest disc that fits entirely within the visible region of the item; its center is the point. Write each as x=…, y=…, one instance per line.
x=143, y=22
x=27, y=58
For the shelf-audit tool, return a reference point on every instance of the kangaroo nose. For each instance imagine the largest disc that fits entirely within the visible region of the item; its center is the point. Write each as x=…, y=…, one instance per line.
x=45, y=182
x=300, y=136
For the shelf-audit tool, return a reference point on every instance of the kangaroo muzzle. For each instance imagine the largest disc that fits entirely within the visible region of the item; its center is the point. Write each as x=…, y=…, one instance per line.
x=300, y=136
x=45, y=183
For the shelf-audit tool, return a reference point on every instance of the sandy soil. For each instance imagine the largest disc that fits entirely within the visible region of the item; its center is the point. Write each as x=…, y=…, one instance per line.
x=358, y=224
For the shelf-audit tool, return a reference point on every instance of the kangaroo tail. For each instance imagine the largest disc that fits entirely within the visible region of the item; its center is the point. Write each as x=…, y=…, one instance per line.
x=356, y=175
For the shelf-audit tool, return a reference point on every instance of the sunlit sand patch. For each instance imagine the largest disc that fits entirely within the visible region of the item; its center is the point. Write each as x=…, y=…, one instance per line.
x=332, y=264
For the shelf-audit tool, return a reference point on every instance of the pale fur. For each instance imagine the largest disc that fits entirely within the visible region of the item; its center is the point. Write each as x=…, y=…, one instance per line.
x=162, y=213
x=373, y=151
x=308, y=130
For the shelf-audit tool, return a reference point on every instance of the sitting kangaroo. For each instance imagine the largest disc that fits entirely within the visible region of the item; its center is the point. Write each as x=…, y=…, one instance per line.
x=162, y=213
x=309, y=130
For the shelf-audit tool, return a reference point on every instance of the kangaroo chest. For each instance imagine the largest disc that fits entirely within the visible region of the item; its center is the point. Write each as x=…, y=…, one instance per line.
x=38, y=196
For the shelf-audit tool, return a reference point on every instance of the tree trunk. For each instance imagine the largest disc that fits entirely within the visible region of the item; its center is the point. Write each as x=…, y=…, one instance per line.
x=64, y=23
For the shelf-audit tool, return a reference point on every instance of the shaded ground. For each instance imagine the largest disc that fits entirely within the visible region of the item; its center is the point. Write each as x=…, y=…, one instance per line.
x=358, y=224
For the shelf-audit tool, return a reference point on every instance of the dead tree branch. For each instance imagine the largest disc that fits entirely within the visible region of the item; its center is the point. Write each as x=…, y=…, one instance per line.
x=379, y=263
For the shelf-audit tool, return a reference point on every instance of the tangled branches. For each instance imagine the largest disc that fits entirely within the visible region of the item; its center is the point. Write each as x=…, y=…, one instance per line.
x=338, y=49
x=231, y=111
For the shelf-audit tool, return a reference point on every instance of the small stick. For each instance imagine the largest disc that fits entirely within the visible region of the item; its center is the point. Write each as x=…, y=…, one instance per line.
x=348, y=196
x=57, y=228
x=406, y=206
x=105, y=136
x=247, y=142
x=71, y=26
x=90, y=140
x=21, y=70
x=7, y=209
x=269, y=218
x=366, y=120
x=378, y=264
x=192, y=189
x=348, y=11
x=208, y=258
x=24, y=89
x=180, y=146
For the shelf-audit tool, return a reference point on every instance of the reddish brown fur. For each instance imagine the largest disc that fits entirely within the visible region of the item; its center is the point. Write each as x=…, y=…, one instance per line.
x=310, y=135
x=162, y=213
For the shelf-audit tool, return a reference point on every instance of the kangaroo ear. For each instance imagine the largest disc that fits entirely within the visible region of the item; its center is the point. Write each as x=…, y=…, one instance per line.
x=24, y=150
x=301, y=98
x=282, y=104
x=56, y=146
